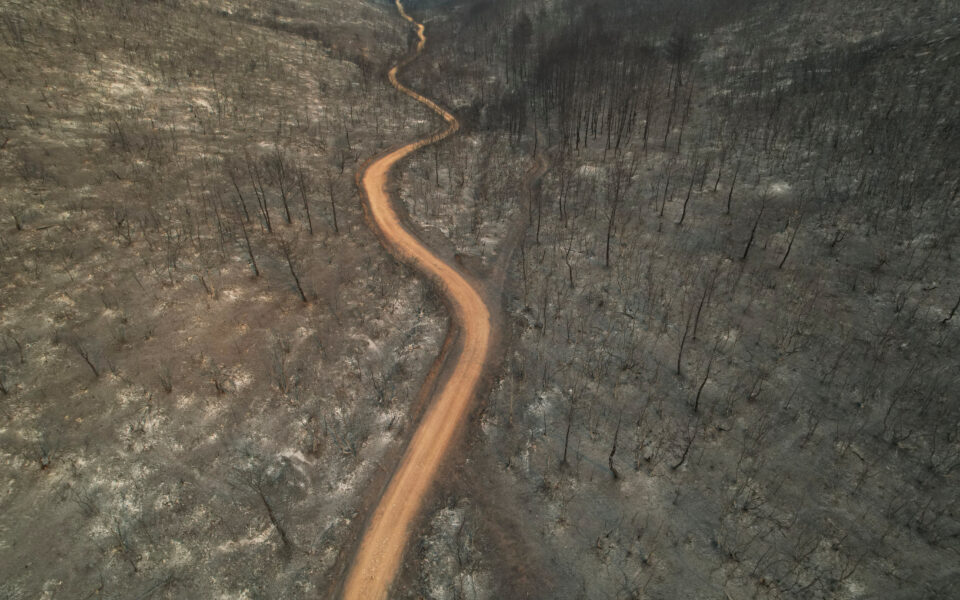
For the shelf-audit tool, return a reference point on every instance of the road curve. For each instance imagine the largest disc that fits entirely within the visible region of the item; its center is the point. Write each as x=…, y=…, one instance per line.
x=381, y=549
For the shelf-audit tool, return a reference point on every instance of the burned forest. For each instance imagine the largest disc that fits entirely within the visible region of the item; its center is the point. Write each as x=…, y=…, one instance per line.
x=480, y=299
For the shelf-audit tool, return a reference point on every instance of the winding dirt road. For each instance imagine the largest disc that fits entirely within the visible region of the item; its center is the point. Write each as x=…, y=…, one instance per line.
x=388, y=529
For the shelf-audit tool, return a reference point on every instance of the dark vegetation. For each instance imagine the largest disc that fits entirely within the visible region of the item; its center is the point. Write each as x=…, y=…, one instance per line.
x=733, y=365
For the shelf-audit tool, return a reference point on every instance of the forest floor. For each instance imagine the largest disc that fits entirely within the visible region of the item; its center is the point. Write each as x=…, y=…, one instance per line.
x=713, y=381
x=204, y=352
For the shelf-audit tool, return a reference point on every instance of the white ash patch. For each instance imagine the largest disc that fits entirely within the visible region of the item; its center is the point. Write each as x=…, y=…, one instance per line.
x=588, y=171
x=201, y=103
x=731, y=336
x=371, y=345
x=211, y=412
x=126, y=82
x=346, y=484
x=129, y=395
x=65, y=300
x=780, y=188
x=393, y=415
x=296, y=459
x=523, y=460
x=241, y=379
x=452, y=568
x=142, y=432
x=255, y=539
x=230, y=295
x=185, y=401
x=180, y=555
x=925, y=240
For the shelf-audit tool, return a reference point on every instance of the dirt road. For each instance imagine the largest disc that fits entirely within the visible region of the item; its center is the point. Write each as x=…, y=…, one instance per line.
x=378, y=557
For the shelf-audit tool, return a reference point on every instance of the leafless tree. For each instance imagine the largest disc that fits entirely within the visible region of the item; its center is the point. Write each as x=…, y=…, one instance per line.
x=288, y=248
